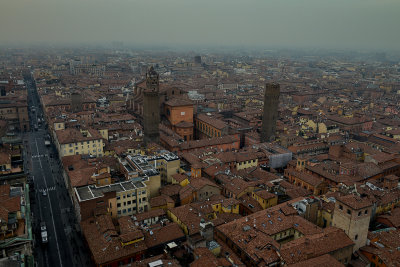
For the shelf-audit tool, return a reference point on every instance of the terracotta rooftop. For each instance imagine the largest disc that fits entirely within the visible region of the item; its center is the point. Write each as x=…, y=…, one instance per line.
x=213, y=121
x=105, y=243
x=163, y=234
x=264, y=194
x=150, y=214
x=161, y=200
x=306, y=177
x=385, y=244
x=354, y=202
x=325, y=260
x=315, y=245
x=8, y=204
x=73, y=135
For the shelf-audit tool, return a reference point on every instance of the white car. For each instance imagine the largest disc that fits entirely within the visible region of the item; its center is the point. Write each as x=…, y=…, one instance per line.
x=43, y=232
x=44, y=193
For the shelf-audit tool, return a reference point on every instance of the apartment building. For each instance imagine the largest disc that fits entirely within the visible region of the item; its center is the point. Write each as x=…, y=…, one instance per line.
x=119, y=199
x=72, y=141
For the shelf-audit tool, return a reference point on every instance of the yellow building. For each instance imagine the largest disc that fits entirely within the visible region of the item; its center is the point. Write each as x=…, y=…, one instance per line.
x=72, y=141
x=104, y=133
x=167, y=164
x=317, y=127
x=131, y=197
x=250, y=163
x=59, y=125
x=228, y=205
x=138, y=165
x=325, y=214
x=265, y=198
x=102, y=177
x=181, y=179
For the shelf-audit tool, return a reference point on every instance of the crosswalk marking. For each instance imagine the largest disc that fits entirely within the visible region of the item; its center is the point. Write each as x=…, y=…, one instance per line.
x=39, y=156
x=47, y=189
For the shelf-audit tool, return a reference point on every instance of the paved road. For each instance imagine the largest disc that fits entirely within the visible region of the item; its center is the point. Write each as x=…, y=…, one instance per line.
x=65, y=247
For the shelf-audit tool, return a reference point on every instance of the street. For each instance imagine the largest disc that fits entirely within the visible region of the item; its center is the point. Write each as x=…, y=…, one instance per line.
x=51, y=202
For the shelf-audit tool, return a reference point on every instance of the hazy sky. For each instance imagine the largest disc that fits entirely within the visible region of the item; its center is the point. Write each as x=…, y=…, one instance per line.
x=371, y=24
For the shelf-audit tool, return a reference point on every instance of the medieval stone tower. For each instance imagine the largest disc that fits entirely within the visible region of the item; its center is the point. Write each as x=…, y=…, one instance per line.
x=270, y=113
x=76, y=102
x=353, y=214
x=151, y=107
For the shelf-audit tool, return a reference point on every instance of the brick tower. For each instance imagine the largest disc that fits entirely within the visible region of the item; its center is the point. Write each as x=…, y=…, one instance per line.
x=151, y=107
x=353, y=214
x=270, y=113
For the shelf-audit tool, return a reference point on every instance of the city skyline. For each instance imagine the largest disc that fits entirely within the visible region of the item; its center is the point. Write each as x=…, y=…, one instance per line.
x=356, y=24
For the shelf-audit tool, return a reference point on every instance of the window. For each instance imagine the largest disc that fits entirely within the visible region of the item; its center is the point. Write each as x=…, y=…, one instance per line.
x=340, y=207
x=359, y=213
x=129, y=202
x=366, y=212
x=124, y=211
x=348, y=211
x=118, y=197
x=356, y=237
x=118, y=205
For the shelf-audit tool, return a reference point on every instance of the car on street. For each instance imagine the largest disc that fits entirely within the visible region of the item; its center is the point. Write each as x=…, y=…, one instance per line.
x=47, y=142
x=43, y=232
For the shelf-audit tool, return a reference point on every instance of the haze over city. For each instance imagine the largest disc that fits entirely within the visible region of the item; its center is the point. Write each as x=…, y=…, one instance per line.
x=338, y=24
x=201, y=133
